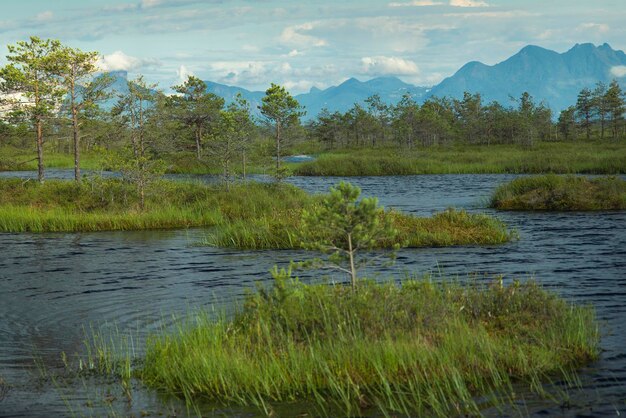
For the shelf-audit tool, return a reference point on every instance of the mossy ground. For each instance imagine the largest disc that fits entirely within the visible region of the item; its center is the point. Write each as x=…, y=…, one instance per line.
x=561, y=193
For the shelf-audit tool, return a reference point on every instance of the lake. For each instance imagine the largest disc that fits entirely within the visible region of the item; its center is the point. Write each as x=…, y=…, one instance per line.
x=53, y=287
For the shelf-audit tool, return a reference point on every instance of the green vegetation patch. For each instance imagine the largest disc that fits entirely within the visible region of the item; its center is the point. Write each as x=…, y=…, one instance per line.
x=561, y=193
x=545, y=157
x=447, y=228
x=245, y=216
x=20, y=159
x=419, y=348
x=113, y=204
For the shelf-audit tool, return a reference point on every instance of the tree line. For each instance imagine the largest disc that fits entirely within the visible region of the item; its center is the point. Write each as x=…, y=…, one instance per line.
x=54, y=92
x=595, y=112
x=50, y=90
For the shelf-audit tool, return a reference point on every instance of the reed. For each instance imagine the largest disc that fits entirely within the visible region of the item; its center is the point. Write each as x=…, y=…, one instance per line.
x=416, y=348
x=245, y=215
x=561, y=193
x=447, y=228
x=112, y=204
x=545, y=157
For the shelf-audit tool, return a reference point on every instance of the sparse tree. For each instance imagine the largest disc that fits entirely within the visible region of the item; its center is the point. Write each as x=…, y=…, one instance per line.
x=195, y=109
x=31, y=77
x=584, y=108
x=230, y=137
x=615, y=106
x=344, y=227
x=470, y=116
x=245, y=126
x=380, y=112
x=132, y=110
x=76, y=70
x=281, y=110
x=599, y=105
x=567, y=122
x=406, y=120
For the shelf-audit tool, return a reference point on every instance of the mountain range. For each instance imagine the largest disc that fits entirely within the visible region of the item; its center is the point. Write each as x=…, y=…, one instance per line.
x=550, y=77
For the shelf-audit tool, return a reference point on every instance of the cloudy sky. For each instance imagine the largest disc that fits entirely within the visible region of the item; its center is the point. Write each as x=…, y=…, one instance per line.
x=306, y=43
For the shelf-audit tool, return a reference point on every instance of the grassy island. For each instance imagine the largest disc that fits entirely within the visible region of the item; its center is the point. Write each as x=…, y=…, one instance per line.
x=561, y=193
x=544, y=157
x=415, y=348
x=582, y=157
x=248, y=215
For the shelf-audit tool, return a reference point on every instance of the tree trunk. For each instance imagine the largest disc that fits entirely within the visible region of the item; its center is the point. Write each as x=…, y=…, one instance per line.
x=142, y=197
x=352, y=267
x=76, y=143
x=602, y=126
x=40, y=168
x=198, y=149
x=278, y=150
x=244, y=164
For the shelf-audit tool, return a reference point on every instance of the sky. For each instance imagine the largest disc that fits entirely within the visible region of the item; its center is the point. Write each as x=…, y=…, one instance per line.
x=304, y=44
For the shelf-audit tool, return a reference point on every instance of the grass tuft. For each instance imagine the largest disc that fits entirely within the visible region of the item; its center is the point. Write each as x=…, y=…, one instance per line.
x=447, y=228
x=545, y=157
x=419, y=348
x=558, y=193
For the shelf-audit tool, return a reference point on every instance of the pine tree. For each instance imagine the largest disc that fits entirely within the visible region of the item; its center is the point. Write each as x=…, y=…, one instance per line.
x=615, y=106
x=584, y=106
x=344, y=227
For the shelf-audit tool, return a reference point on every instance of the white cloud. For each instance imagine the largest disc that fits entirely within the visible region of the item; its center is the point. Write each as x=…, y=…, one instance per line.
x=293, y=35
x=250, y=48
x=594, y=27
x=302, y=85
x=417, y=3
x=468, y=3
x=119, y=7
x=183, y=73
x=239, y=72
x=146, y=4
x=618, y=71
x=389, y=65
x=294, y=53
x=44, y=16
x=511, y=14
x=120, y=61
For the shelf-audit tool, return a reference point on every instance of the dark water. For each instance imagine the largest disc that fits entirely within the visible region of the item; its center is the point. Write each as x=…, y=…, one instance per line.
x=54, y=285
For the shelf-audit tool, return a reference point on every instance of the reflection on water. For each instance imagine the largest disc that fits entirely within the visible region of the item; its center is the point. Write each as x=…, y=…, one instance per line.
x=53, y=285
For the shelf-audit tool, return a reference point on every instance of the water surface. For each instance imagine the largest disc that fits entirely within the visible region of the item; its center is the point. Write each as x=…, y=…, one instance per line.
x=54, y=285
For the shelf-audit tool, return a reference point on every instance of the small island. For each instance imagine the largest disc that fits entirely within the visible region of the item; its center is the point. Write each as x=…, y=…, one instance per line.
x=418, y=347
x=561, y=193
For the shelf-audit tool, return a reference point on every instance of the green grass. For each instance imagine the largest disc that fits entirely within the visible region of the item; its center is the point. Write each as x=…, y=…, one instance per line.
x=585, y=157
x=245, y=216
x=447, y=228
x=17, y=159
x=96, y=205
x=545, y=157
x=559, y=193
x=419, y=348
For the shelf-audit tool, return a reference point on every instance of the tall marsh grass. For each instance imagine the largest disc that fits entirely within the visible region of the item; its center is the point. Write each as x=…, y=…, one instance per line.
x=545, y=157
x=112, y=204
x=245, y=215
x=559, y=193
x=415, y=348
x=450, y=227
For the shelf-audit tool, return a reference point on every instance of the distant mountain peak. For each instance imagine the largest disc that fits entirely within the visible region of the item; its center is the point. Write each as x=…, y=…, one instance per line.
x=552, y=77
x=549, y=76
x=118, y=74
